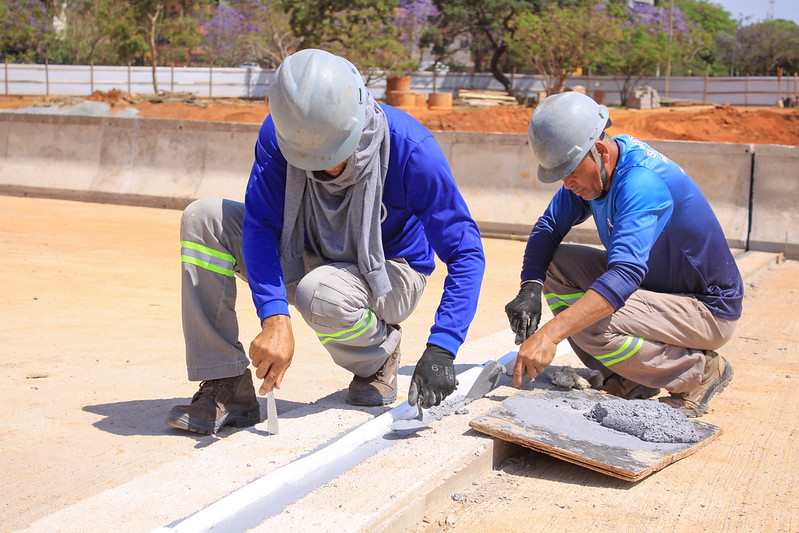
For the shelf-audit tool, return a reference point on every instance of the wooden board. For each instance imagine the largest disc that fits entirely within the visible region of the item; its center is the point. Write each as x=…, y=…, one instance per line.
x=553, y=422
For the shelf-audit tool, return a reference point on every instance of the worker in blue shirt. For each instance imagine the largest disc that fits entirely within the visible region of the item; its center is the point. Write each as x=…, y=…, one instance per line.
x=348, y=201
x=650, y=309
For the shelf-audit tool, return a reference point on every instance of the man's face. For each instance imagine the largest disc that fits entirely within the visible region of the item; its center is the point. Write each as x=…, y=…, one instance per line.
x=585, y=181
x=336, y=171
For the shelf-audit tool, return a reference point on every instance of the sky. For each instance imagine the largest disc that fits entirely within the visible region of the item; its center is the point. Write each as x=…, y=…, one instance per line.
x=759, y=9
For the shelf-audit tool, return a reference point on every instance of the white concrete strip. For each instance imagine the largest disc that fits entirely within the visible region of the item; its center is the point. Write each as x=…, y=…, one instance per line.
x=238, y=510
x=234, y=511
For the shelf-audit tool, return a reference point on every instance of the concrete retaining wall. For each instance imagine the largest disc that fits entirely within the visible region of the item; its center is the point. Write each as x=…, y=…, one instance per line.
x=496, y=173
x=165, y=163
x=775, y=200
x=753, y=188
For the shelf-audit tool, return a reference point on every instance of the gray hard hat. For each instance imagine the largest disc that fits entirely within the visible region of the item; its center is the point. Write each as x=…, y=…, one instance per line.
x=317, y=102
x=562, y=130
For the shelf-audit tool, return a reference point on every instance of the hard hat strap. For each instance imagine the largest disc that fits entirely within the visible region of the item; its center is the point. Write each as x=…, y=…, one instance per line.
x=602, y=174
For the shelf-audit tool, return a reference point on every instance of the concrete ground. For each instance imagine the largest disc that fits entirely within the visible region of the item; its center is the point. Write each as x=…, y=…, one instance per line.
x=90, y=323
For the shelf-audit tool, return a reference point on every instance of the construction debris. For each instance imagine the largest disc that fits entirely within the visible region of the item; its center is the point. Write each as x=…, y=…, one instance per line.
x=486, y=98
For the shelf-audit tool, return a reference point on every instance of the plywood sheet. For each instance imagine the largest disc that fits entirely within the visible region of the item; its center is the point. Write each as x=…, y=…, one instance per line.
x=553, y=422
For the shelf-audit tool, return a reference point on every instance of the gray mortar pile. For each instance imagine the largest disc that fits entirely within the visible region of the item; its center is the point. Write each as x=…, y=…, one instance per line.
x=648, y=420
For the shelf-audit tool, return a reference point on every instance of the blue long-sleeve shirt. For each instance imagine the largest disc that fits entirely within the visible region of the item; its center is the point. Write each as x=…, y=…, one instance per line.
x=424, y=213
x=659, y=230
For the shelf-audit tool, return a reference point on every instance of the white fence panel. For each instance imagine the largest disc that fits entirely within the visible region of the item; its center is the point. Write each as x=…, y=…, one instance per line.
x=25, y=79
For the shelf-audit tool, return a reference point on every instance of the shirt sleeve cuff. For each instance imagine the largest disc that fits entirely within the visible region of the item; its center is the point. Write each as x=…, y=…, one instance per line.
x=608, y=294
x=446, y=341
x=272, y=308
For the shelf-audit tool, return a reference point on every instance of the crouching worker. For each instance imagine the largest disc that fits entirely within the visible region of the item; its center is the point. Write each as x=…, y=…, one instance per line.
x=346, y=204
x=650, y=309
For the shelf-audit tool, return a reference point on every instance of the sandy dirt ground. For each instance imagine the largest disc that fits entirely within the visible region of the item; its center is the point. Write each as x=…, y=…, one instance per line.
x=712, y=123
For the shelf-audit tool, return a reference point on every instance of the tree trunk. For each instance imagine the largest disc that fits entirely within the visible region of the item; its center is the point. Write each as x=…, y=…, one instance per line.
x=153, y=48
x=500, y=77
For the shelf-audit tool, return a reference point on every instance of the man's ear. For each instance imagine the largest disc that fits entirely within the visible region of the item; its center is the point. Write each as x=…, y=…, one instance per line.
x=603, y=148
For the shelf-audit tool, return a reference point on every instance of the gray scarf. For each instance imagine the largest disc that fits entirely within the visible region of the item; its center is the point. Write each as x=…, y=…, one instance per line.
x=340, y=217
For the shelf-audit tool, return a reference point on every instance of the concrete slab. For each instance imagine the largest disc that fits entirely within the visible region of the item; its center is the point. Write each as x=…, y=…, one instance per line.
x=415, y=474
x=90, y=314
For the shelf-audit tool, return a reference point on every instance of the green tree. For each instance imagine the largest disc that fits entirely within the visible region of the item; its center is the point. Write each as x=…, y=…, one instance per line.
x=95, y=31
x=710, y=22
x=363, y=31
x=488, y=25
x=168, y=25
x=491, y=27
x=559, y=40
x=647, y=43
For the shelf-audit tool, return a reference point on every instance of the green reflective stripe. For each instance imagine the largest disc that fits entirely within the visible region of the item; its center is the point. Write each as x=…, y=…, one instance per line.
x=626, y=347
x=209, y=251
x=207, y=265
x=359, y=326
x=559, y=300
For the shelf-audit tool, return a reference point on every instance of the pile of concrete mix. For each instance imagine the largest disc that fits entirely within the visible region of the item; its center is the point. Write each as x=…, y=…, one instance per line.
x=648, y=420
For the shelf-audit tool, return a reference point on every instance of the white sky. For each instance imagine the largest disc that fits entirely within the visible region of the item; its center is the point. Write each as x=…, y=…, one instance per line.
x=759, y=10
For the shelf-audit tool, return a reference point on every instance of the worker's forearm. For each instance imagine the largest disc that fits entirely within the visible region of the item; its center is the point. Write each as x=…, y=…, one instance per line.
x=588, y=310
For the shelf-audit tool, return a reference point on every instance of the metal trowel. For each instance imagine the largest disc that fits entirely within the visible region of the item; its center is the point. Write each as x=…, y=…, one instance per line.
x=271, y=412
x=486, y=381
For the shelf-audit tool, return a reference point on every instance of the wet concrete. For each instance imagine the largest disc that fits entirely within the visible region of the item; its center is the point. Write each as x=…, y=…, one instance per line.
x=648, y=420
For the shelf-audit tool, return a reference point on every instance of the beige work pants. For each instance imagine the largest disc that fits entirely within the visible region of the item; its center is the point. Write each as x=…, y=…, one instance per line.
x=655, y=339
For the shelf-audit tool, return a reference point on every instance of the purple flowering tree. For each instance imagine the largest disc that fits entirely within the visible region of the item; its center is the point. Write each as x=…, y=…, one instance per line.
x=762, y=49
x=24, y=24
x=248, y=31
x=414, y=18
x=652, y=37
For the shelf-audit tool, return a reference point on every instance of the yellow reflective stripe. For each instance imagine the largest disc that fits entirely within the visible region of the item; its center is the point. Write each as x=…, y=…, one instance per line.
x=360, y=325
x=638, y=342
x=209, y=251
x=559, y=300
x=208, y=266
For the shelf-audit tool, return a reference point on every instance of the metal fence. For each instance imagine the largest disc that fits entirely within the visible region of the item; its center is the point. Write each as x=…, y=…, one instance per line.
x=27, y=79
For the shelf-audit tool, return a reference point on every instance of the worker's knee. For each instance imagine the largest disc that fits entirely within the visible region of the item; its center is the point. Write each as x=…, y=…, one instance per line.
x=328, y=299
x=199, y=216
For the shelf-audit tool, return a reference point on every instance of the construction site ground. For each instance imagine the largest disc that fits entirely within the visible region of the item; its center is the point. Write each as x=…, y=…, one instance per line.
x=90, y=323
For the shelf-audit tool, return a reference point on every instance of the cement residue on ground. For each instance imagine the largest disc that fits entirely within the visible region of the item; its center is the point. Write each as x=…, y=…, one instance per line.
x=567, y=377
x=648, y=420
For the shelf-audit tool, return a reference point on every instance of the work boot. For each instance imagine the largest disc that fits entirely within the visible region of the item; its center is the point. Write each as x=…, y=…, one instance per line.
x=627, y=389
x=378, y=389
x=717, y=374
x=219, y=402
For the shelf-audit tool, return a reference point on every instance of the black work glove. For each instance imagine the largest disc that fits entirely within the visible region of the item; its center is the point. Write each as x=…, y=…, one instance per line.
x=524, y=311
x=433, y=378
